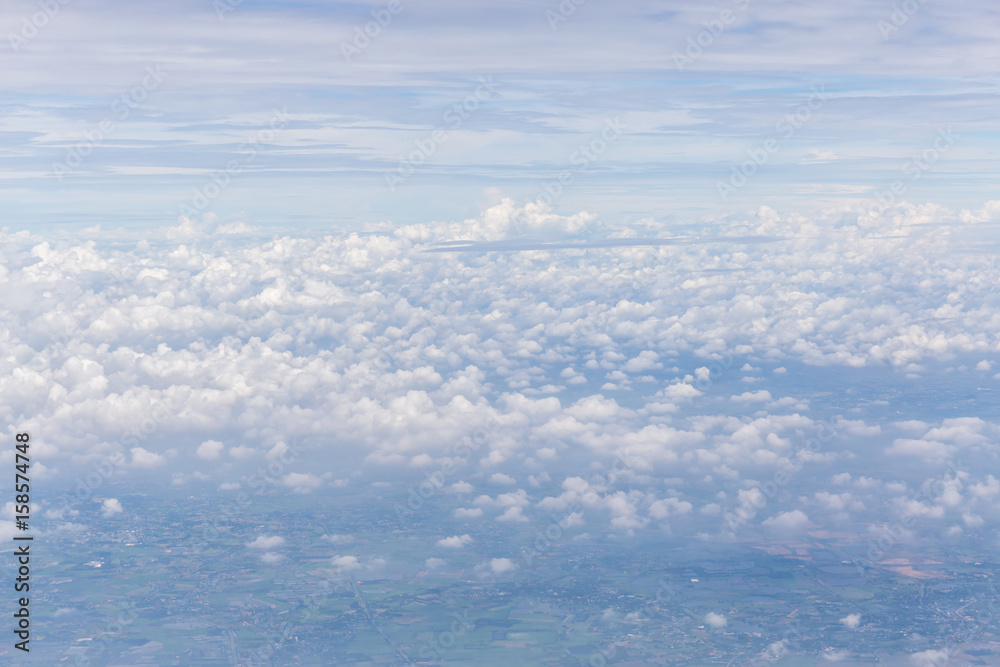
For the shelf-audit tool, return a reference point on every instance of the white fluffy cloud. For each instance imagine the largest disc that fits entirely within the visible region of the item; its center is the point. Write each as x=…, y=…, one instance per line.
x=930, y=658
x=501, y=565
x=142, y=458
x=346, y=563
x=714, y=620
x=468, y=512
x=301, y=482
x=753, y=396
x=513, y=514
x=267, y=542
x=369, y=356
x=210, y=450
x=111, y=506
x=790, y=522
x=851, y=621
x=455, y=541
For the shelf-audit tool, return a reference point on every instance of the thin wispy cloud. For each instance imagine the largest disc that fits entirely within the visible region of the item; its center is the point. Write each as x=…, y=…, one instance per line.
x=353, y=122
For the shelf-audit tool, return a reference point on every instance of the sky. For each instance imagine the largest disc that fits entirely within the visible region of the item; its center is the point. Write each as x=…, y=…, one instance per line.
x=657, y=231
x=122, y=115
x=647, y=270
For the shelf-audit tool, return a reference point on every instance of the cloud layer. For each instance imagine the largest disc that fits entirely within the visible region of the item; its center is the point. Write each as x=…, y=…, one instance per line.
x=580, y=380
x=697, y=89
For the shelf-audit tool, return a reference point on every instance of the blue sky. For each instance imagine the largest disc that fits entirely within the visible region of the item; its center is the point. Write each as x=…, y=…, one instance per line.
x=872, y=90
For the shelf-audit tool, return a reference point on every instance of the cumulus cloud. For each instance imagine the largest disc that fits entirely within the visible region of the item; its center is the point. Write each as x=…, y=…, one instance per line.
x=455, y=541
x=468, y=512
x=210, y=450
x=346, y=563
x=9, y=512
x=753, y=396
x=930, y=658
x=241, y=452
x=851, y=621
x=513, y=514
x=301, y=482
x=714, y=620
x=450, y=375
x=661, y=509
x=788, y=522
x=111, y=506
x=267, y=542
x=501, y=565
x=146, y=459
x=920, y=449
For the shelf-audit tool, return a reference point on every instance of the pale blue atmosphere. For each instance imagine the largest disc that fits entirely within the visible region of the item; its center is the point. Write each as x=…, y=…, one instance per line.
x=697, y=89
